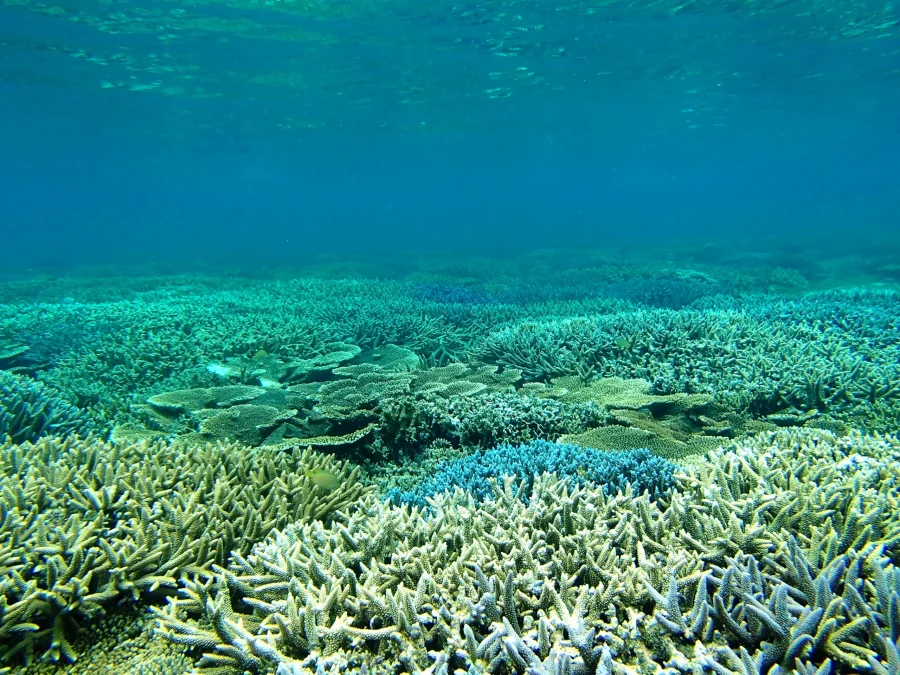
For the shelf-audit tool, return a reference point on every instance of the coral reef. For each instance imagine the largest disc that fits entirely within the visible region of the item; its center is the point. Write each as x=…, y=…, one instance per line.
x=385, y=400
x=575, y=580
x=829, y=355
x=13, y=357
x=672, y=425
x=120, y=642
x=772, y=547
x=612, y=471
x=451, y=294
x=30, y=410
x=483, y=421
x=616, y=437
x=614, y=393
x=372, y=391
x=87, y=523
x=833, y=355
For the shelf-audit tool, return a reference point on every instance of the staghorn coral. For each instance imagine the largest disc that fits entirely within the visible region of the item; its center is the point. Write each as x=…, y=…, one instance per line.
x=30, y=410
x=671, y=292
x=612, y=471
x=826, y=356
x=774, y=551
x=820, y=590
x=449, y=294
x=87, y=523
x=387, y=586
x=120, y=642
x=787, y=608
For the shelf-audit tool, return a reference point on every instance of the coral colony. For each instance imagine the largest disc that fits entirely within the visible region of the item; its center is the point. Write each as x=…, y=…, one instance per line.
x=596, y=467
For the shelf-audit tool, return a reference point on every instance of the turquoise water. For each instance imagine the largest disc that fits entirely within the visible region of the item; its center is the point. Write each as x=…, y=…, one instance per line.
x=227, y=129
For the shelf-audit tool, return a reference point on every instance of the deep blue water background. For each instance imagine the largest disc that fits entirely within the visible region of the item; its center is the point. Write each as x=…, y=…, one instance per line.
x=255, y=134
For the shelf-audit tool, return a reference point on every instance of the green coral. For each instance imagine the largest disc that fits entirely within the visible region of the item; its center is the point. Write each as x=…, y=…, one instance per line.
x=192, y=400
x=616, y=393
x=775, y=552
x=615, y=437
x=13, y=356
x=266, y=369
x=121, y=641
x=633, y=418
x=391, y=358
x=87, y=524
x=832, y=355
x=248, y=423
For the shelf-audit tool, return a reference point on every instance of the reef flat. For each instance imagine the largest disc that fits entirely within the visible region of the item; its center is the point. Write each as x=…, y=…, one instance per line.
x=560, y=463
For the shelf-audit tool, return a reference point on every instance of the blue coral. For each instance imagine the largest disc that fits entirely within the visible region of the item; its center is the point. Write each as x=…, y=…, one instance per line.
x=612, y=470
x=451, y=294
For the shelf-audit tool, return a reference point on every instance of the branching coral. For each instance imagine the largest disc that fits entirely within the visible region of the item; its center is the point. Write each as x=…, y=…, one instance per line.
x=13, y=356
x=87, y=523
x=775, y=553
x=828, y=355
x=561, y=583
x=483, y=421
x=121, y=641
x=833, y=355
x=385, y=585
x=612, y=470
x=30, y=410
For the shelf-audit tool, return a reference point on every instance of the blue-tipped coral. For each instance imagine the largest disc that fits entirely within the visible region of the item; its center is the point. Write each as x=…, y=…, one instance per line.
x=613, y=470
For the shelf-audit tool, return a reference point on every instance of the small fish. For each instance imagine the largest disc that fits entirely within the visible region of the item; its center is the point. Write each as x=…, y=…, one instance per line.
x=261, y=354
x=323, y=479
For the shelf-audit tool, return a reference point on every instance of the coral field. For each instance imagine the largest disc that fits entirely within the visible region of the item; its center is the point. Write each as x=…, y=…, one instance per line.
x=562, y=463
x=732, y=572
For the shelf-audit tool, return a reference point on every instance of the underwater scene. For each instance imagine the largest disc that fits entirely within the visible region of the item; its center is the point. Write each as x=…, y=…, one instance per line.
x=554, y=463
x=427, y=337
